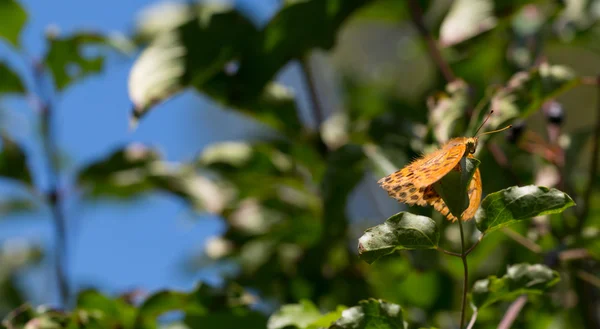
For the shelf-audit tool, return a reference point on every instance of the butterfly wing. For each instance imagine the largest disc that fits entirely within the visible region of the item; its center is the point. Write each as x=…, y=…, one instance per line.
x=425, y=171
x=474, y=192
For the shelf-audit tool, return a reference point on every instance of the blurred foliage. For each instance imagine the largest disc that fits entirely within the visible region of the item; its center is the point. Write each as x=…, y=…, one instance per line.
x=294, y=201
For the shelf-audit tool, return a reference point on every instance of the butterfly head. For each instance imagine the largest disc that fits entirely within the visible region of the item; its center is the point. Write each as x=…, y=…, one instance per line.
x=472, y=144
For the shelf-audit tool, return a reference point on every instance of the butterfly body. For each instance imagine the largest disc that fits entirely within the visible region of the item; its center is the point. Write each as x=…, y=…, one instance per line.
x=413, y=184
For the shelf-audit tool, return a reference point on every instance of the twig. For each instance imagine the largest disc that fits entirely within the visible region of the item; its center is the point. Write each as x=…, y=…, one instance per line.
x=513, y=311
x=318, y=114
x=474, y=244
x=589, y=278
x=53, y=195
x=463, y=256
x=472, y=321
x=522, y=240
x=448, y=252
x=593, y=165
x=416, y=13
x=573, y=254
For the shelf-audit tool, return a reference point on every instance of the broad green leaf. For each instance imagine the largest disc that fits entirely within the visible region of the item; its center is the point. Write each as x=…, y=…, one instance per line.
x=519, y=279
x=13, y=18
x=371, y=314
x=298, y=315
x=67, y=59
x=114, y=312
x=526, y=91
x=453, y=187
x=515, y=203
x=135, y=170
x=401, y=231
x=10, y=82
x=13, y=162
x=328, y=319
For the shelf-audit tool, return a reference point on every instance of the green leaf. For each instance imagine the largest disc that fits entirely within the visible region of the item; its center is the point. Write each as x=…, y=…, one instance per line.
x=371, y=314
x=401, y=231
x=113, y=312
x=66, y=58
x=453, y=187
x=13, y=18
x=446, y=109
x=298, y=315
x=526, y=91
x=519, y=279
x=515, y=203
x=10, y=82
x=135, y=170
x=13, y=162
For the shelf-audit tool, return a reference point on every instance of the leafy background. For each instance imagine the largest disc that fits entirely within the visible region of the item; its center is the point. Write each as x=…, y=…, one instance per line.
x=261, y=129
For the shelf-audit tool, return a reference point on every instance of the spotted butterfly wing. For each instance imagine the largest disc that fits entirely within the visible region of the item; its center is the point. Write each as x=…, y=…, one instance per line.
x=409, y=183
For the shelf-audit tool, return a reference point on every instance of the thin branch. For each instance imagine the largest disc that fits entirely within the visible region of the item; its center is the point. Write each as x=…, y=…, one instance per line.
x=589, y=278
x=573, y=254
x=474, y=244
x=317, y=110
x=416, y=13
x=463, y=256
x=522, y=240
x=448, y=252
x=593, y=164
x=513, y=311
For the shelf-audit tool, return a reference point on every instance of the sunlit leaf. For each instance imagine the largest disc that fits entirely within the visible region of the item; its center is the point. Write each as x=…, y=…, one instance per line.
x=401, y=231
x=519, y=279
x=298, y=315
x=371, y=314
x=135, y=170
x=13, y=18
x=10, y=82
x=446, y=109
x=466, y=19
x=515, y=203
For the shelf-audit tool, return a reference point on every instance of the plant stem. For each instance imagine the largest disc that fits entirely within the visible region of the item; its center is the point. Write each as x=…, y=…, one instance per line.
x=312, y=90
x=472, y=321
x=53, y=195
x=593, y=167
x=513, y=311
x=416, y=13
x=463, y=256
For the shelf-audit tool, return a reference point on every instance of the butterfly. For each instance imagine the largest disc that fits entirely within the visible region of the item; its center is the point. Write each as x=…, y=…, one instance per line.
x=413, y=184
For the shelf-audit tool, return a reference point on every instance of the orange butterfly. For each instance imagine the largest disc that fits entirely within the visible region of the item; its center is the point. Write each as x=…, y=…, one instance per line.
x=413, y=184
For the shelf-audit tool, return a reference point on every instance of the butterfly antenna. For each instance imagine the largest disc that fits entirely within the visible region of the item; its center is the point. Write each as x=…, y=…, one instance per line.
x=495, y=131
x=484, y=121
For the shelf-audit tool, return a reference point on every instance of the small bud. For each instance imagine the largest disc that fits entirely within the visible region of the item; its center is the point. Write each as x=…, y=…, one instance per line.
x=554, y=113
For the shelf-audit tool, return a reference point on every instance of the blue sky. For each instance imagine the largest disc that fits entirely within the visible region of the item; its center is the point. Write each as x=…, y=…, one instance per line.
x=140, y=244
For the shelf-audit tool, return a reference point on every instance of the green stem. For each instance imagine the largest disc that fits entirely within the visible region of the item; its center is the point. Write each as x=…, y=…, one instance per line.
x=463, y=256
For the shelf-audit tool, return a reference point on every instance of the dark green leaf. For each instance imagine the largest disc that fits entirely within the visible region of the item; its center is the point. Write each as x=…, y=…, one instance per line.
x=10, y=82
x=298, y=315
x=519, y=279
x=66, y=58
x=13, y=162
x=13, y=18
x=371, y=314
x=515, y=203
x=401, y=231
x=453, y=187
